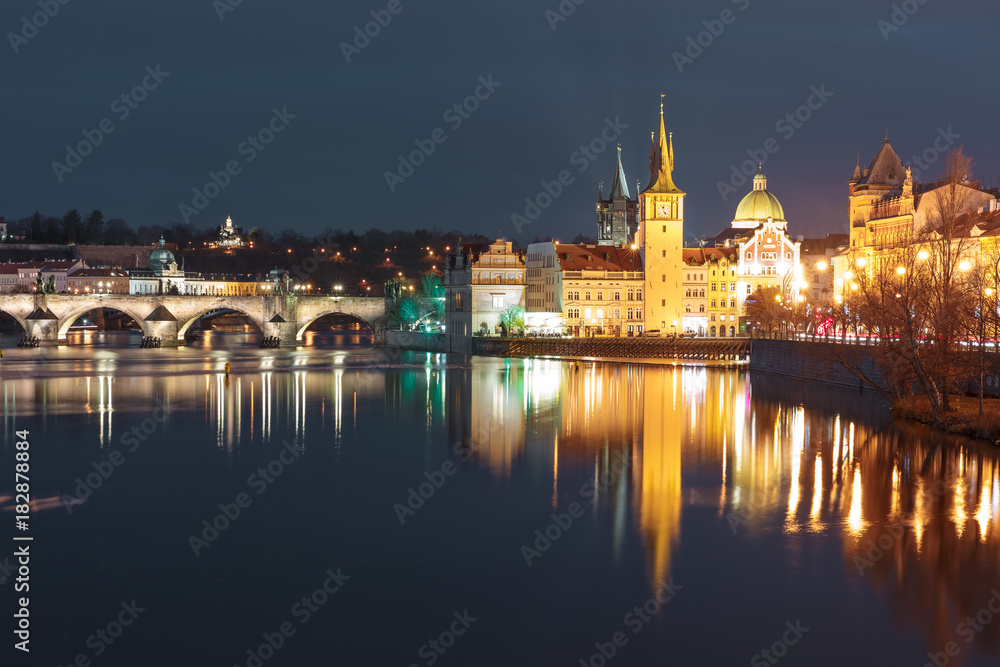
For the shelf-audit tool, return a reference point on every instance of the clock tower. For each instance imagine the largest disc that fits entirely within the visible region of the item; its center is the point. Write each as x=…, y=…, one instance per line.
x=661, y=237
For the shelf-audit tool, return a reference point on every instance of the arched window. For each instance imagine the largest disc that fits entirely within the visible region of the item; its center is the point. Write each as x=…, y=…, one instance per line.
x=638, y=313
x=687, y=307
x=586, y=296
x=701, y=308
x=638, y=295
x=629, y=313
x=713, y=303
x=701, y=294
x=712, y=332
x=732, y=331
x=600, y=296
x=722, y=332
x=732, y=303
x=749, y=255
x=687, y=293
x=618, y=296
x=631, y=295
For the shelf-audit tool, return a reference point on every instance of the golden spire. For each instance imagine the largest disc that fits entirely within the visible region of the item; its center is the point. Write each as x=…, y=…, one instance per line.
x=662, y=164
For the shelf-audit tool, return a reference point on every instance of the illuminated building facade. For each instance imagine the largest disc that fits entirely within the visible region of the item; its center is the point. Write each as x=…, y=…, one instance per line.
x=618, y=215
x=661, y=238
x=481, y=283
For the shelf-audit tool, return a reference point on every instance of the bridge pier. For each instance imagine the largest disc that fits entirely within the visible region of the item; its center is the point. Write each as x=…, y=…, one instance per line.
x=281, y=329
x=44, y=326
x=164, y=330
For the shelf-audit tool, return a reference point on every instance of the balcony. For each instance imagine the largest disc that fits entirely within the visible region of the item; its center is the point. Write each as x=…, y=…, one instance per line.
x=498, y=281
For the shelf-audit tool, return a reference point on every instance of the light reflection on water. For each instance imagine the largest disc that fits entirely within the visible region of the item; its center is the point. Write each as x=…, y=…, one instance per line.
x=668, y=451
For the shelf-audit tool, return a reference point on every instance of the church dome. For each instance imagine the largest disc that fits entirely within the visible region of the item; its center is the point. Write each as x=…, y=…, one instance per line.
x=161, y=258
x=759, y=205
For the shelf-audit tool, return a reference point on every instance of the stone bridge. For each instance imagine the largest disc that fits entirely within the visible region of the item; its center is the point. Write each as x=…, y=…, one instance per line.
x=49, y=316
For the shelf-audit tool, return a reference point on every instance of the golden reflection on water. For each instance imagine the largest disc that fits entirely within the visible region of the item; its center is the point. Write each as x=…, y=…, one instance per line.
x=770, y=459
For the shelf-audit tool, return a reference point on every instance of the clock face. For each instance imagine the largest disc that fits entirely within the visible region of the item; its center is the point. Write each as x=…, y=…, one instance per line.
x=663, y=210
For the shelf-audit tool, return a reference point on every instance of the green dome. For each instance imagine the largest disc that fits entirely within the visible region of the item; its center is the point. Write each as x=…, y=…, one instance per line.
x=161, y=257
x=760, y=204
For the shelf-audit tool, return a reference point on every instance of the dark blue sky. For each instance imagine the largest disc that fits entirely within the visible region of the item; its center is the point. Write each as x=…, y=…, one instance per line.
x=352, y=120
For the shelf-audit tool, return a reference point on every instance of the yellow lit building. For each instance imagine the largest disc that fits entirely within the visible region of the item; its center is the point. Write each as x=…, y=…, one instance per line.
x=661, y=239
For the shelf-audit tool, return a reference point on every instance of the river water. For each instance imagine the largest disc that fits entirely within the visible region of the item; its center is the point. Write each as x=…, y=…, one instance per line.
x=335, y=505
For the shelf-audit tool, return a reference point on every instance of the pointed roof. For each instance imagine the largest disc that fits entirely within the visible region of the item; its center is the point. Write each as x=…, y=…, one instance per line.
x=600, y=191
x=857, y=171
x=662, y=161
x=886, y=168
x=619, y=186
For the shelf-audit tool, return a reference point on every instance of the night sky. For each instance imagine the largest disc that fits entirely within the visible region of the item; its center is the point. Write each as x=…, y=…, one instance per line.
x=221, y=80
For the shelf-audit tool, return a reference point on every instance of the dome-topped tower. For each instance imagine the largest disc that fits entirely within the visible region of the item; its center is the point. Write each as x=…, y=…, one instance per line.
x=162, y=260
x=758, y=206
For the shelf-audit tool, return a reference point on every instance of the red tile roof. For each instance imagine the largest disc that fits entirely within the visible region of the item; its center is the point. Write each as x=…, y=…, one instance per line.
x=597, y=258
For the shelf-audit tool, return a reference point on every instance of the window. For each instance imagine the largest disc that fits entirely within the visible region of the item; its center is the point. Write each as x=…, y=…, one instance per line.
x=638, y=295
x=748, y=290
x=701, y=308
x=663, y=278
x=631, y=295
x=586, y=296
x=687, y=307
x=638, y=313
x=687, y=293
x=732, y=287
x=712, y=287
x=663, y=302
x=630, y=313
x=497, y=301
x=458, y=301
x=664, y=253
x=732, y=303
x=713, y=303
x=701, y=294
x=600, y=296
x=618, y=296
x=749, y=255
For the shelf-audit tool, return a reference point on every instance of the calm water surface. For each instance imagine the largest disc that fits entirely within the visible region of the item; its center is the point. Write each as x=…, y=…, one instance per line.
x=557, y=502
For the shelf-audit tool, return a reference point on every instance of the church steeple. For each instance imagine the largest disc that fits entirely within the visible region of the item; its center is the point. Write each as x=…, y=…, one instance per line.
x=661, y=162
x=619, y=186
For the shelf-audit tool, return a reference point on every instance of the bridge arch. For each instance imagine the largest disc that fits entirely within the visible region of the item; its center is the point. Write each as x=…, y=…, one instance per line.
x=66, y=321
x=301, y=327
x=183, y=329
x=16, y=318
